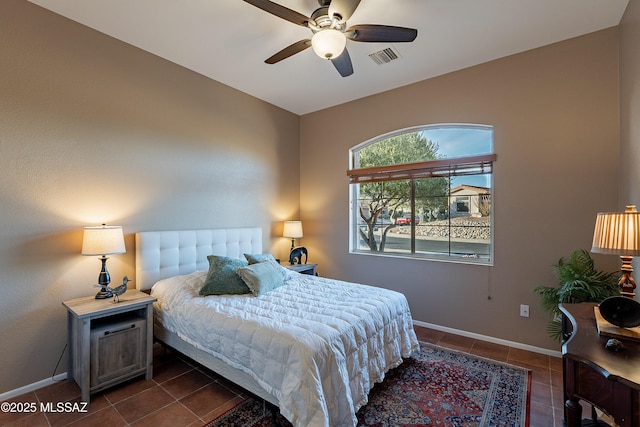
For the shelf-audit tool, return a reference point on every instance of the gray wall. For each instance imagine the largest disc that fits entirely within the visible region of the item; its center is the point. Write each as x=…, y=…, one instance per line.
x=555, y=117
x=93, y=130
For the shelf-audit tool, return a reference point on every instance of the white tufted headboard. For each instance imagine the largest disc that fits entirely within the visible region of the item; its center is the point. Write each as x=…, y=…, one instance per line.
x=162, y=254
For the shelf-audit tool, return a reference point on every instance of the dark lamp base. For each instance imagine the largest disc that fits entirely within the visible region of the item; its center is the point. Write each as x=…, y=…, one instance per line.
x=103, y=280
x=104, y=294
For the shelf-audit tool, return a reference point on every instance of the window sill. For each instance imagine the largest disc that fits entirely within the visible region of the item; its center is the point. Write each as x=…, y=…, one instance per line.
x=445, y=259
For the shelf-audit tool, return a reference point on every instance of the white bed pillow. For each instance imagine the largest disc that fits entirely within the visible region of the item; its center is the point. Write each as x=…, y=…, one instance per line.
x=178, y=287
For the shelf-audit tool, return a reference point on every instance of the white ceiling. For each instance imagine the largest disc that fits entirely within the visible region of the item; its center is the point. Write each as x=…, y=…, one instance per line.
x=228, y=40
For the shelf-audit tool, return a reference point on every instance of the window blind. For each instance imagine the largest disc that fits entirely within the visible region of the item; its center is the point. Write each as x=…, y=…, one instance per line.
x=430, y=169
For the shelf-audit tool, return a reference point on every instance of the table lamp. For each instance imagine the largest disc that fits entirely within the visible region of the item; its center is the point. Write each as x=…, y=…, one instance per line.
x=293, y=230
x=102, y=241
x=617, y=233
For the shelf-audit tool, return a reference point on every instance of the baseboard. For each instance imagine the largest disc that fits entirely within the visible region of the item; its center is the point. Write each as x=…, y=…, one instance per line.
x=32, y=387
x=43, y=383
x=487, y=338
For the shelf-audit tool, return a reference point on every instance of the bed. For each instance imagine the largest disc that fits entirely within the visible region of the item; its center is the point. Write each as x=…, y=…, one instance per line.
x=312, y=346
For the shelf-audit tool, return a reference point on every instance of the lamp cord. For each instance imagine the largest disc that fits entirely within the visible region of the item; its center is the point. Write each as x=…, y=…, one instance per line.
x=58, y=364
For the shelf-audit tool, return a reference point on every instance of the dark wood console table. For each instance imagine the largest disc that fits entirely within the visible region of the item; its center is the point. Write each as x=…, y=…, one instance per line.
x=608, y=380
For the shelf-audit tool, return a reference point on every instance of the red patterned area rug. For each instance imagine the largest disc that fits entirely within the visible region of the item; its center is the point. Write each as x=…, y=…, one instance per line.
x=435, y=387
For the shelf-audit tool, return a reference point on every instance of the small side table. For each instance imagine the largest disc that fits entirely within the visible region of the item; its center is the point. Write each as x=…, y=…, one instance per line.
x=109, y=342
x=302, y=268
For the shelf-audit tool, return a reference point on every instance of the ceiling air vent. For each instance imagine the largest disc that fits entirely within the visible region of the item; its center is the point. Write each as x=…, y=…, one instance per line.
x=384, y=56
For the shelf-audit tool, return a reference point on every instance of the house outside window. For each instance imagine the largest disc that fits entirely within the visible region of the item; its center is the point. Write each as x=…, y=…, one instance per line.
x=424, y=192
x=469, y=200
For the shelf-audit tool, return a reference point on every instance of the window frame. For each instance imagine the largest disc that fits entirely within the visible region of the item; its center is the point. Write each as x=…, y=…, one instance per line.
x=447, y=167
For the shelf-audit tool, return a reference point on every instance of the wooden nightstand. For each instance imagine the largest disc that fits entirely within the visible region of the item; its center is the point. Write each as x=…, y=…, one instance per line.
x=109, y=342
x=302, y=268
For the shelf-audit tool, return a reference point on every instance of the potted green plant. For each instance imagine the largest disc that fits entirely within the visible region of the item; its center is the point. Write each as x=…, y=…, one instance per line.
x=579, y=281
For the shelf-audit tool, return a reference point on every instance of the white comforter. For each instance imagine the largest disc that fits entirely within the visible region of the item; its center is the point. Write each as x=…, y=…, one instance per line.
x=318, y=345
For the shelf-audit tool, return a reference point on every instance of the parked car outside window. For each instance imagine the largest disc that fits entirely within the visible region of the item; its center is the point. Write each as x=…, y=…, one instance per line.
x=406, y=220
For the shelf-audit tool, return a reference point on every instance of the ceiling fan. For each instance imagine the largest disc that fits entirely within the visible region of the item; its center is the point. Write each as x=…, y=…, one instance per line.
x=328, y=24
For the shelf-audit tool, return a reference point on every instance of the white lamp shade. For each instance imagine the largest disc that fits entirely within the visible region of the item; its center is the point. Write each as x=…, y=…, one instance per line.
x=328, y=43
x=292, y=229
x=103, y=240
x=617, y=233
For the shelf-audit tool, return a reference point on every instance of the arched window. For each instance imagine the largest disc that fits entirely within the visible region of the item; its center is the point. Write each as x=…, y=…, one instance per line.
x=424, y=192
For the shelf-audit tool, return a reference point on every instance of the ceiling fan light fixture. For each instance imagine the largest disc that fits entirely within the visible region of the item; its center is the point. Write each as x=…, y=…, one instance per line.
x=328, y=43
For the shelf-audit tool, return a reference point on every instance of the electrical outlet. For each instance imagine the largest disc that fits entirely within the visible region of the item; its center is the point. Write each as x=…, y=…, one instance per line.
x=524, y=310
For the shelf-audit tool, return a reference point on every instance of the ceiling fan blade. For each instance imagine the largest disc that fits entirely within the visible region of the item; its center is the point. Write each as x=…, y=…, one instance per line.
x=289, y=51
x=344, y=8
x=381, y=33
x=280, y=11
x=343, y=63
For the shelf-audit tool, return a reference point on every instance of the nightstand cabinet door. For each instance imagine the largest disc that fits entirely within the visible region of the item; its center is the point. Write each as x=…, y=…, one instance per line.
x=117, y=351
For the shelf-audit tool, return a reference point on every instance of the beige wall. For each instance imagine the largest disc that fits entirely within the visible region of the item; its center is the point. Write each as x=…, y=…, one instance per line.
x=93, y=130
x=555, y=117
x=630, y=106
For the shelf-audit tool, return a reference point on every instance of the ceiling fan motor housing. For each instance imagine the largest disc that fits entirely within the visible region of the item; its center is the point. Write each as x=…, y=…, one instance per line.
x=322, y=20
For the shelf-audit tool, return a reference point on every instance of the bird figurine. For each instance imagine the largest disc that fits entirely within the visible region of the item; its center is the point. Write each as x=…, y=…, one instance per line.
x=118, y=290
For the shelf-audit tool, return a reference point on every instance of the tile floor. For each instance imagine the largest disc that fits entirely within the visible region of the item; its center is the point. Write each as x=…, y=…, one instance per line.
x=184, y=394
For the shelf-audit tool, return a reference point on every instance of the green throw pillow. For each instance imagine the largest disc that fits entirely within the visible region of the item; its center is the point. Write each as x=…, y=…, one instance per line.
x=257, y=258
x=261, y=277
x=222, y=278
